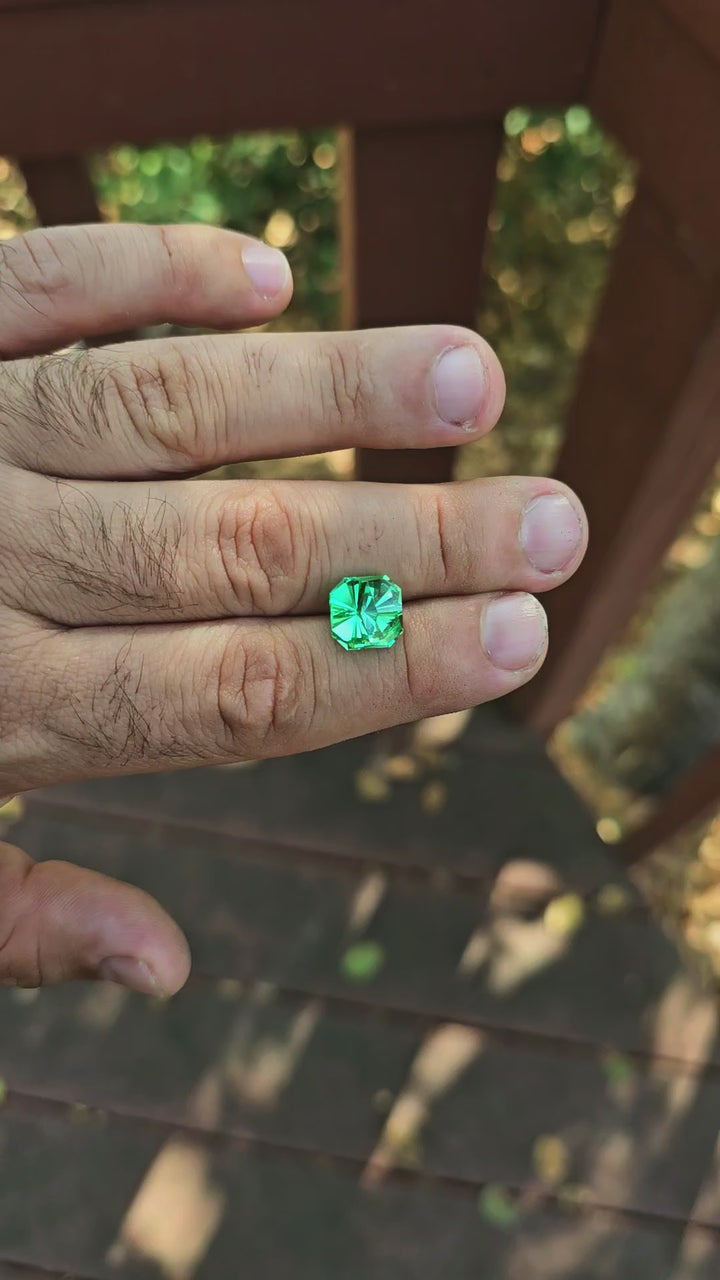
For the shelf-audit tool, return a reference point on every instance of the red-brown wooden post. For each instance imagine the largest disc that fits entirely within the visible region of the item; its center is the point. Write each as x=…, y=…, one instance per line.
x=656, y=88
x=61, y=190
x=701, y=18
x=414, y=219
x=642, y=433
x=79, y=76
x=695, y=794
x=642, y=437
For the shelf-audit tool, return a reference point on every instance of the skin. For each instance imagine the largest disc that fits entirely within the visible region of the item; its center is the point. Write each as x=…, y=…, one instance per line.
x=152, y=621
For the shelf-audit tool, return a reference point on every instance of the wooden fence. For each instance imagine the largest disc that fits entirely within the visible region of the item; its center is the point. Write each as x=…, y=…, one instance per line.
x=420, y=88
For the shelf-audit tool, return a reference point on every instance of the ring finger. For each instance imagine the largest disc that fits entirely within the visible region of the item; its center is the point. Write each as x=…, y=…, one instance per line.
x=184, y=550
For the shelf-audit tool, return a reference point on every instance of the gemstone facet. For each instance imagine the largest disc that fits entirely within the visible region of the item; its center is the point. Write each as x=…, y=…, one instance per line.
x=366, y=612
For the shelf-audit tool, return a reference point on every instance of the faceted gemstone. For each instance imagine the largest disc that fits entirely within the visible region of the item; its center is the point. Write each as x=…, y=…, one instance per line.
x=366, y=612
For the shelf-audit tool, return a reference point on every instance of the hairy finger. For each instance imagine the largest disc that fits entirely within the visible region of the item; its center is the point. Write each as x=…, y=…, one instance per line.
x=120, y=552
x=184, y=405
x=127, y=700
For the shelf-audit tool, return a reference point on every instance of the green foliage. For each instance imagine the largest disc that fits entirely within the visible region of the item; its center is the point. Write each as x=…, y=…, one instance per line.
x=562, y=188
x=282, y=186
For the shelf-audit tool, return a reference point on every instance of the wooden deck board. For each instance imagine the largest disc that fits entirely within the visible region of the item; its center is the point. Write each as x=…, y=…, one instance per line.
x=100, y=1186
x=310, y=802
x=17, y=1271
x=445, y=1100
x=328, y=1126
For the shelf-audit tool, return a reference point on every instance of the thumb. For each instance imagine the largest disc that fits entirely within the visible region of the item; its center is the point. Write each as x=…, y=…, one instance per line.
x=59, y=922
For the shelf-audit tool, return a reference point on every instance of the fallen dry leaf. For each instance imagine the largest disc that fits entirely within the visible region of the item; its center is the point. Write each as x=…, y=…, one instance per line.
x=433, y=798
x=371, y=786
x=564, y=915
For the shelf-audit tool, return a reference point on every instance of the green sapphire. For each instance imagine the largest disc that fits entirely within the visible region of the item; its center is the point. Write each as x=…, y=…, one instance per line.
x=366, y=612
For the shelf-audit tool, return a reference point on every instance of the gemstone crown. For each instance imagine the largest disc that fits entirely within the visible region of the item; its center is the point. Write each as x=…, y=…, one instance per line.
x=366, y=612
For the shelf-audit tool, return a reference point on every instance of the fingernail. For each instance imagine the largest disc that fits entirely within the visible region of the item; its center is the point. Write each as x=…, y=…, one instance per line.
x=459, y=386
x=132, y=973
x=550, y=532
x=513, y=631
x=267, y=268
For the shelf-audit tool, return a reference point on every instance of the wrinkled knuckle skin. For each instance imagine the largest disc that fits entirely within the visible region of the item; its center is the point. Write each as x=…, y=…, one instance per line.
x=181, y=267
x=345, y=379
x=165, y=402
x=33, y=272
x=262, y=554
x=20, y=960
x=101, y=393
x=441, y=531
x=264, y=703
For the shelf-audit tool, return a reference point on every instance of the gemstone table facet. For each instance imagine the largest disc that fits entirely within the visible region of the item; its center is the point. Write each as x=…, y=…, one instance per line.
x=366, y=612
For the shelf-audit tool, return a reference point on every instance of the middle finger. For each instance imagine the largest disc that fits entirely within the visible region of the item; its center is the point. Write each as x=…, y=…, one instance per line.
x=81, y=554
x=183, y=405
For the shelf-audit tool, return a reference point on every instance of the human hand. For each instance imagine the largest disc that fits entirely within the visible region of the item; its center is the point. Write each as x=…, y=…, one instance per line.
x=152, y=621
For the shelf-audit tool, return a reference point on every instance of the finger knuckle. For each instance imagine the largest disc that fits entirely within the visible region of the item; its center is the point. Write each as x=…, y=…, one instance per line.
x=165, y=400
x=184, y=251
x=265, y=694
x=345, y=383
x=181, y=265
x=445, y=555
x=262, y=553
x=34, y=271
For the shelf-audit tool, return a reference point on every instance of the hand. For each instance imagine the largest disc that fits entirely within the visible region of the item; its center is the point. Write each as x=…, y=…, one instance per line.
x=150, y=621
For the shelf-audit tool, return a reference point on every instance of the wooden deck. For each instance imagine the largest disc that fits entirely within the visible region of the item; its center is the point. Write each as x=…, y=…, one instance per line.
x=483, y=1094
x=421, y=102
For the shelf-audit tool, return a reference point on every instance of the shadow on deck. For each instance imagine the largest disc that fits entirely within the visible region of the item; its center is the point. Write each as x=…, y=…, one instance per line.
x=422, y=1038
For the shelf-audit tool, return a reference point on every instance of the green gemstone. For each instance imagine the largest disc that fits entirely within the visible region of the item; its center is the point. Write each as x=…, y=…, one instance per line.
x=366, y=612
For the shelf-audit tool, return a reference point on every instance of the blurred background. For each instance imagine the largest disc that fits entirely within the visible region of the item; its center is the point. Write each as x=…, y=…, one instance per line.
x=654, y=706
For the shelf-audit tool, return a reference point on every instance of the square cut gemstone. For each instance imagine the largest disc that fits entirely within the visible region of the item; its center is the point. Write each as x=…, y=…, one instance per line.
x=366, y=612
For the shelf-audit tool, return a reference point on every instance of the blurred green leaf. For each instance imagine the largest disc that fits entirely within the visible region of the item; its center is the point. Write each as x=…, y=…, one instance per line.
x=618, y=1069
x=578, y=121
x=363, y=961
x=516, y=120
x=497, y=1207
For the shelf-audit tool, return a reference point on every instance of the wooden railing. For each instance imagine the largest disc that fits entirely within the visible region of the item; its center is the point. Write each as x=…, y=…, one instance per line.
x=421, y=87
